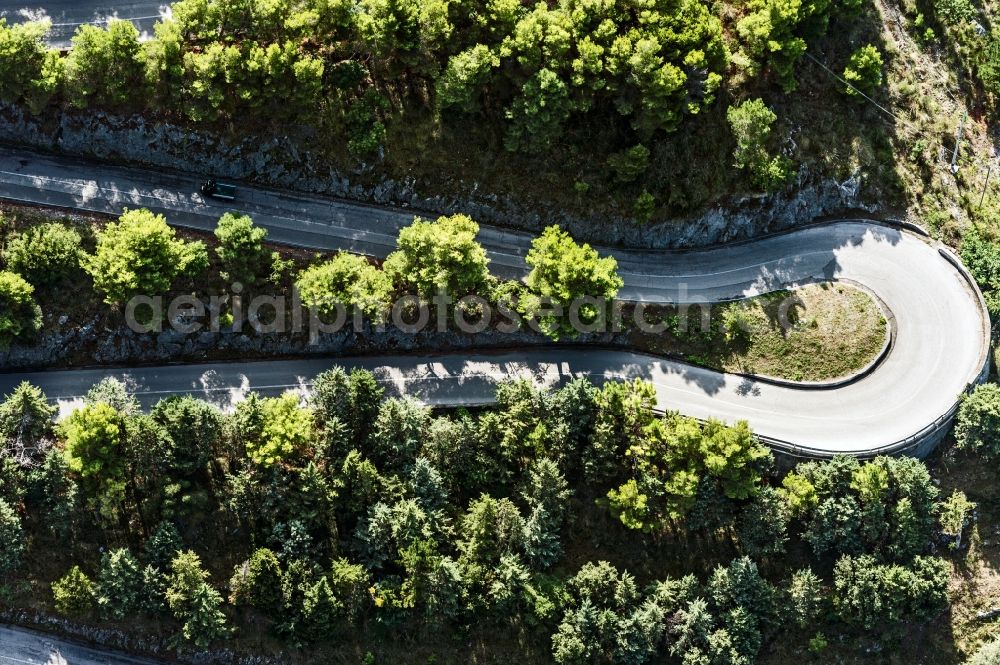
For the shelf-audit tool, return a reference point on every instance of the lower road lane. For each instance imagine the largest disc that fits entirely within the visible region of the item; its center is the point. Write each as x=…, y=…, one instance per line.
x=19, y=646
x=939, y=348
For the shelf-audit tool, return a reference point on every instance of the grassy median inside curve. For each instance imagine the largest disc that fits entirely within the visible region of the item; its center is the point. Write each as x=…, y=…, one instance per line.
x=818, y=332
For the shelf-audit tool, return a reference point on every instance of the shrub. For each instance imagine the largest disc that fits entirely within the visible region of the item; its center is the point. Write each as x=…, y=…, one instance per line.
x=628, y=165
x=45, y=254
x=20, y=315
x=737, y=325
x=644, y=206
x=954, y=12
x=74, y=593
x=982, y=257
x=347, y=279
x=750, y=122
x=989, y=64
x=366, y=133
x=987, y=654
x=977, y=426
x=954, y=517
x=864, y=71
x=751, y=125
x=818, y=643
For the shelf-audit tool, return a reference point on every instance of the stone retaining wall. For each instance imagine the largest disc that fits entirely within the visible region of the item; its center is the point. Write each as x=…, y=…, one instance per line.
x=286, y=162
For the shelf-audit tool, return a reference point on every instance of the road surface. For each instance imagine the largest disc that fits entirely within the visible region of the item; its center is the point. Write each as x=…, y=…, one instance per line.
x=67, y=15
x=27, y=647
x=939, y=347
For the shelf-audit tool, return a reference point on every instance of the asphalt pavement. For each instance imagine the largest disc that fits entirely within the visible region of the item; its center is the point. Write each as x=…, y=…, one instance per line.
x=19, y=646
x=68, y=15
x=939, y=347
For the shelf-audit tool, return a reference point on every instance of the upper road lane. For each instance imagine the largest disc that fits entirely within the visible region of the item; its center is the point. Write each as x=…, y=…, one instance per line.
x=939, y=348
x=68, y=15
x=19, y=646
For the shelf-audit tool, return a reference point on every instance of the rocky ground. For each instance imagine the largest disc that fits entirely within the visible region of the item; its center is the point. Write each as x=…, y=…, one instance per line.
x=285, y=162
x=95, y=344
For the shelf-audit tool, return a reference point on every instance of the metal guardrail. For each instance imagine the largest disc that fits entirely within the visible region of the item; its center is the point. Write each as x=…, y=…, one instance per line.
x=944, y=420
x=935, y=426
x=903, y=445
x=941, y=422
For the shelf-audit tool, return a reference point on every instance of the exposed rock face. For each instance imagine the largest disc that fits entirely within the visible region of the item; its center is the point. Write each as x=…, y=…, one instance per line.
x=284, y=162
x=131, y=641
x=93, y=344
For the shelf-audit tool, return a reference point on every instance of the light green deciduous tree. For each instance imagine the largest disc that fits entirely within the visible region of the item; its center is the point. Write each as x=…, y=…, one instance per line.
x=440, y=256
x=751, y=122
x=571, y=276
x=140, y=255
x=241, y=249
x=20, y=315
x=348, y=280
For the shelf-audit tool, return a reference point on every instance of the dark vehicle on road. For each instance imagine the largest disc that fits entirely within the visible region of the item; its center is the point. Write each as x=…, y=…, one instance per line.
x=218, y=190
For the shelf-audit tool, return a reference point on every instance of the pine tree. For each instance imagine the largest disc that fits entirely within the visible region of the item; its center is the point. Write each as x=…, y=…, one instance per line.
x=258, y=583
x=203, y=621
x=25, y=423
x=73, y=593
x=12, y=542
x=194, y=602
x=320, y=611
x=119, y=585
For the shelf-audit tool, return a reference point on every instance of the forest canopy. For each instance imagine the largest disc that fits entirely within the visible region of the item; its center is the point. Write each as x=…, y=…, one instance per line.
x=336, y=516
x=529, y=69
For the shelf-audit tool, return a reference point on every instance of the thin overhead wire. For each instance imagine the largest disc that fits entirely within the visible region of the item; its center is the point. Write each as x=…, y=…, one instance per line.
x=855, y=89
x=107, y=20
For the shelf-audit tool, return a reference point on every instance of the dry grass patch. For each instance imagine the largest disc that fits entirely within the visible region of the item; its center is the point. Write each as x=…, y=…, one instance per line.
x=824, y=332
x=815, y=333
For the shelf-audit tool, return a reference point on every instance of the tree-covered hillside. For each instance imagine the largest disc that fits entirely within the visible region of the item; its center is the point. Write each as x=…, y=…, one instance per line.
x=567, y=526
x=641, y=108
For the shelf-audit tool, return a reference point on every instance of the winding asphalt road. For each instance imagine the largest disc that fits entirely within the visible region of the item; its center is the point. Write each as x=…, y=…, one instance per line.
x=68, y=15
x=19, y=646
x=939, y=347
